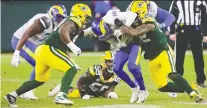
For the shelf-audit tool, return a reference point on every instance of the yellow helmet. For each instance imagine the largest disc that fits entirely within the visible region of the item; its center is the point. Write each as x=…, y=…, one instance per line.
x=108, y=56
x=82, y=12
x=139, y=7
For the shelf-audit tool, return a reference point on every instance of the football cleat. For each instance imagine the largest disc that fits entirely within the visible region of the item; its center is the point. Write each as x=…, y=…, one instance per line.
x=61, y=98
x=143, y=94
x=135, y=94
x=196, y=97
x=28, y=95
x=11, y=100
x=172, y=94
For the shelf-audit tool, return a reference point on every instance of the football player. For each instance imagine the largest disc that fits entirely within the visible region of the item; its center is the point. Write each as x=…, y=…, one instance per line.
x=158, y=52
x=28, y=37
x=52, y=53
x=99, y=80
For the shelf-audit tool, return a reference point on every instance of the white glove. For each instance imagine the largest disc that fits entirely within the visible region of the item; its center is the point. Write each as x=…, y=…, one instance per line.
x=76, y=50
x=15, y=59
x=86, y=97
x=118, y=33
x=112, y=95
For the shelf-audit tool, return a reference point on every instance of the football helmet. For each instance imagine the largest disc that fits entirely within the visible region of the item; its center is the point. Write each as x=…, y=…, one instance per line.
x=82, y=12
x=101, y=30
x=108, y=57
x=57, y=13
x=140, y=7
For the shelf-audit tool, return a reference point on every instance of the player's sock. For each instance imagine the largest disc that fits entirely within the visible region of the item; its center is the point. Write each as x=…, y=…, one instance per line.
x=67, y=79
x=32, y=75
x=126, y=78
x=180, y=81
x=136, y=72
x=172, y=87
x=14, y=93
x=27, y=86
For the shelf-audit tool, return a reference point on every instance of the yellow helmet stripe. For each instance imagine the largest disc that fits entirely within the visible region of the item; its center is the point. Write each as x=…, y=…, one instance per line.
x=131, y=4
x=101, y=25
x=58, y=8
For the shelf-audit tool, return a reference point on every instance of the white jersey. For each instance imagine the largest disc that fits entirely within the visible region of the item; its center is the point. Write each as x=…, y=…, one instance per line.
x=152, y=11
x=38, y=37
x=127, y=18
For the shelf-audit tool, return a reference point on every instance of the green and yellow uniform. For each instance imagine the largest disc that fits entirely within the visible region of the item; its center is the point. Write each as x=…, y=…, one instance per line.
x=158, y=52
x=96, y=86
x=52, y=53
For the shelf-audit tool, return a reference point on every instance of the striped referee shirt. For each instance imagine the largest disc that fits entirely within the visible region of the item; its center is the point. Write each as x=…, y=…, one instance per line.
x=189, y=13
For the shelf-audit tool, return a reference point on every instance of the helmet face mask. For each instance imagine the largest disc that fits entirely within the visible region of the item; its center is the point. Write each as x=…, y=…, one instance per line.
x=107, y=61
x=57, y=13
x=109, y=66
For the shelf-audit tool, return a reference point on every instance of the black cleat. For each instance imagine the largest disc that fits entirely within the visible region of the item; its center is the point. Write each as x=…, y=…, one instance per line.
x=11, y=100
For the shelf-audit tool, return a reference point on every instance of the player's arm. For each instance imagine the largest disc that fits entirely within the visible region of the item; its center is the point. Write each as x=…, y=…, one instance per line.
x=38, y=26
x=134, y=32
x=127, y=16
x=82, y=82
x=65, y=30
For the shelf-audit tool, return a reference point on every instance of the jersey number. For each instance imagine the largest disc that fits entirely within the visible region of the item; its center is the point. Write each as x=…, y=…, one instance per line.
x=145, y=39
x=97, y=86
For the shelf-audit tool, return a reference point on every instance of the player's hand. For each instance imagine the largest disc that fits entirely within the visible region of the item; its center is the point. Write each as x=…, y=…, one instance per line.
x=173, y=37
x=76, y=50
x=205, y=39
x=15, y=59
x=86, y=97
x=112, y=95
x=118, y=33
x=114, y=48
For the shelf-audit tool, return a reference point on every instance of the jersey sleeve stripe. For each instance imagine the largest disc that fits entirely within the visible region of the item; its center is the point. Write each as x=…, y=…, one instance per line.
x=43, y=23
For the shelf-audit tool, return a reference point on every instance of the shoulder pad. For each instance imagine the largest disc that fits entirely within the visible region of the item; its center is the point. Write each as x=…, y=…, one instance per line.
x=148, y=20
x=45, y=22
x=76, y=20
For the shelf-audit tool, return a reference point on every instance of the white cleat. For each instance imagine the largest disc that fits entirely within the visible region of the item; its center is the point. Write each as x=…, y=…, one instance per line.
x=172, y=94
x=143, y=94
x=135, y=93
x=54, y=91
x=61, y=98
x=28, y=95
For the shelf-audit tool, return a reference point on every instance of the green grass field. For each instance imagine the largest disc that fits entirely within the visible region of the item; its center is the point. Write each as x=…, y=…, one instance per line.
x=11, y=78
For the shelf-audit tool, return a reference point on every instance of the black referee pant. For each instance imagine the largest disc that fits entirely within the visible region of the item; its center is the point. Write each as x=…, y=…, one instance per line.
x=190, y=35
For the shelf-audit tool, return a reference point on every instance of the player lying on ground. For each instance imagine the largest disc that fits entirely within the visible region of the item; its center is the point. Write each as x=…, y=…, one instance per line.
x=159, y=54
x=99, y=80
x=52, y=53
x=28, y=37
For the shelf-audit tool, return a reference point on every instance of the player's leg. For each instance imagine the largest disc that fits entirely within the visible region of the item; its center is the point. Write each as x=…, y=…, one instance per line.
x=61, y=62
x=119, y=61
x=197, y=50
x=135, y=69
x=27, y=52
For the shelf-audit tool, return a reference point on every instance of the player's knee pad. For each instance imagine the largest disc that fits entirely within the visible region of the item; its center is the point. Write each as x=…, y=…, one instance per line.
x=173, y=75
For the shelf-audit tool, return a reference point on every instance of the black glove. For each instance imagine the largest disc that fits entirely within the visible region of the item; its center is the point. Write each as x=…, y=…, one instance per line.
x=118, y=22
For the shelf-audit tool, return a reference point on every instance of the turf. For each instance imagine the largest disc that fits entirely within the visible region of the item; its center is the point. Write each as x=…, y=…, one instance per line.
x=11, y=78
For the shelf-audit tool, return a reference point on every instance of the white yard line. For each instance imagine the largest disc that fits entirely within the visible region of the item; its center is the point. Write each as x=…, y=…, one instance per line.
x=123, y=106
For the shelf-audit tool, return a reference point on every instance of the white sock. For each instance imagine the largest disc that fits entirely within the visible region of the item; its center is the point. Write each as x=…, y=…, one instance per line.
x=14, y=93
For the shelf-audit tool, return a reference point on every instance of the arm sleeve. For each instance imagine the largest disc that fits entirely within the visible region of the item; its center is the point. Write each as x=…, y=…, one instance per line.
x=204, y=18
x=164, y=17
x=173, y=10
x=45, y=22
x=128, y=16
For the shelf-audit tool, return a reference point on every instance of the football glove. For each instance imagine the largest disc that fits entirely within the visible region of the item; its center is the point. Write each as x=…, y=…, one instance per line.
x=86, y=97
x=15, y=59
x=112, y=95
x=76, y=50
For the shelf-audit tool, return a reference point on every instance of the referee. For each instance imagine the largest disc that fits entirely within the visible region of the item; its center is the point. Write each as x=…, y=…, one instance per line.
x=190, y=27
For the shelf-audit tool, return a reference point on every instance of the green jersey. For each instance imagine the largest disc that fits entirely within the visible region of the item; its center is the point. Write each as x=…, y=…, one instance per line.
x=54, y=39
x=154, y=42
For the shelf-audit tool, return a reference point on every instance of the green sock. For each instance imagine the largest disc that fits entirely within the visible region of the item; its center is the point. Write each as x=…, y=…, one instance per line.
x=171, y=87
x=181, y=82
x=67, y=79
x=27, y=86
